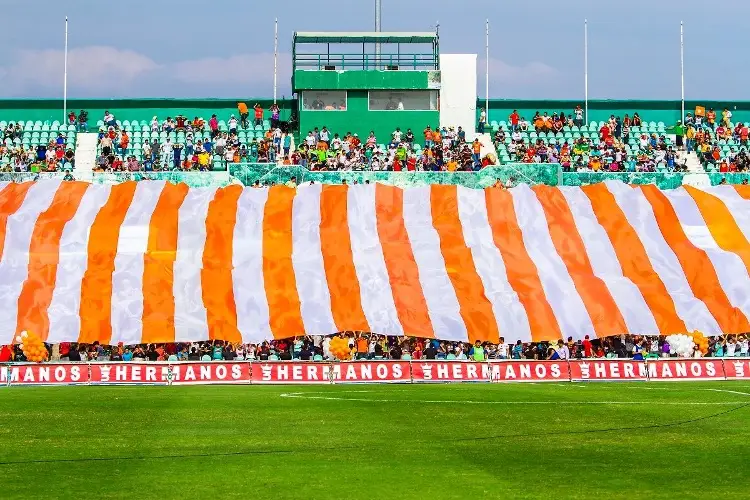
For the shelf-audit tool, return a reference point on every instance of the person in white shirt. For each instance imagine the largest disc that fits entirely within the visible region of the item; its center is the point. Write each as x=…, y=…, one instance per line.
x=232, y=125
x=154, y=124
x=502, y=349
x=166, y=152
x=562, y=350
x=310, y=139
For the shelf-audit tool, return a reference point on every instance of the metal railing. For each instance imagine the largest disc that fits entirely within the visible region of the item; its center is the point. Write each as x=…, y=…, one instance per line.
x=366, y=61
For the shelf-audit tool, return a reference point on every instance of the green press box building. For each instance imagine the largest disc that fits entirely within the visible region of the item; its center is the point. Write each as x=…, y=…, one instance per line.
x=358, y=82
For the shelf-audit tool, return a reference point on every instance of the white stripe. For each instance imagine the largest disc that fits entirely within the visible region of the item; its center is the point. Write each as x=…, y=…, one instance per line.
x=561, y=293
x=14, y=266
x=127, y=278
x=307, y=260
x=190, y=317
x=369, y=263
x=442, y=302
x=253, y=317
x=64, y=309
x=641, y=217
x=730, y=269
x=638, y=317
x=512, y=320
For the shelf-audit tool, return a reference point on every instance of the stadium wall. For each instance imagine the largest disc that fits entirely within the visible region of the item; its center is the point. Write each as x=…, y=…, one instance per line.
x=422, y=371
x=134, y=109
x=599, y=110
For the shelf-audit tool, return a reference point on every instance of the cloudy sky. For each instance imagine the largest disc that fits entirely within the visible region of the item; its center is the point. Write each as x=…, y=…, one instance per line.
x=224, y=48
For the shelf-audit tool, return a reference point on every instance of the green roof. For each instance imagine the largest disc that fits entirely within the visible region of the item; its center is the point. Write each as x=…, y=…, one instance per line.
x=365, y=37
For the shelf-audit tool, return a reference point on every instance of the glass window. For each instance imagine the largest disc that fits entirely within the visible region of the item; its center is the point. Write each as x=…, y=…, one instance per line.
x=404, y=100
x=324, y=100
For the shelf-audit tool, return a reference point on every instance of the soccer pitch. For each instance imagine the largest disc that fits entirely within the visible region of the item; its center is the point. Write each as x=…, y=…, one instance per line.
x=622, y=440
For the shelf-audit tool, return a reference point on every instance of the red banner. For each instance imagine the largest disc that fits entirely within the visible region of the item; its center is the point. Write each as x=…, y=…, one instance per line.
x=529, y=371
x=449, y=371
x=214, y=372
x=296, y=372
x=738, y=368
x=685, y=369
x=45, y=374
x=607, y=369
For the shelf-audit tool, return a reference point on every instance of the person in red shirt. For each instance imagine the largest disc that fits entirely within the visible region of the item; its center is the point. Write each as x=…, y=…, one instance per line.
x=744, y=134
x=587, y=347
x=514, y=120
x=6, y=354
x=258, y=114
x=604, y=132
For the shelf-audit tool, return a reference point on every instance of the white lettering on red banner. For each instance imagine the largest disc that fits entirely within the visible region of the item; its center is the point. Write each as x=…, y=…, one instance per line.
x=325, y=373
x=175, y=373
x=449, y=371
x=737, y=368
x=529, y=371
x=685, y=369
x=48, y=373
x=609, y=369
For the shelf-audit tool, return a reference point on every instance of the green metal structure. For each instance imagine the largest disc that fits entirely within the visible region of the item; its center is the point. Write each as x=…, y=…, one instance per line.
x=362, y=82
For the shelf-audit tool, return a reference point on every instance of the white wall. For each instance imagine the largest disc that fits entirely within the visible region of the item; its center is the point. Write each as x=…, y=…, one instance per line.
x=458, y=91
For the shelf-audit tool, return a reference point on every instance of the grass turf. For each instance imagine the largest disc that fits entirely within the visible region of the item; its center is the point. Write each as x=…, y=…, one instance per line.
x=377, y=441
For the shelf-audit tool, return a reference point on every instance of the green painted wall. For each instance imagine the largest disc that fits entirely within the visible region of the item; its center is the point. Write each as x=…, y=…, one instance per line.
x=362, y=80
x=132, y=109
x=358, y=119
x=664, y=111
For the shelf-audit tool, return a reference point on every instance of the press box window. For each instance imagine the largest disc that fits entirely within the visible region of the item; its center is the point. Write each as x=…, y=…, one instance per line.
x=326, y=100
x=408, y=100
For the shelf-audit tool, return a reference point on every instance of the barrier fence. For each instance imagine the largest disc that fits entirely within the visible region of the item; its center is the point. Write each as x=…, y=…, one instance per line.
x=305, y=372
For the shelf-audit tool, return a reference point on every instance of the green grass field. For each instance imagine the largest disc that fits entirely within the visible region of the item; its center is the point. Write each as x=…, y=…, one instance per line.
x=617, y=440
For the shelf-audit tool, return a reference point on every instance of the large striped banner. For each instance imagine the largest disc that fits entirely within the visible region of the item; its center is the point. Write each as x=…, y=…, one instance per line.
x=158, y=262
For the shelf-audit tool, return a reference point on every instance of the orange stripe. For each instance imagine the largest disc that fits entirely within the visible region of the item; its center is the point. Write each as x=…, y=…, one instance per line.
x=158, y=266
x=633, y=259
x=696, y=265
x=278, y=270
x=605, y=315
x=44, y=256
x=721, y=224
x=742, y=190
x=96, y=286
x=11, y=199
x=403, y=273
x=522, y=273
x=336, y=246
x=475, y=307
x=216, y=275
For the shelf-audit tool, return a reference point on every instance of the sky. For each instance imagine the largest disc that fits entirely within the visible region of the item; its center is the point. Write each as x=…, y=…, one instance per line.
x=224, y=48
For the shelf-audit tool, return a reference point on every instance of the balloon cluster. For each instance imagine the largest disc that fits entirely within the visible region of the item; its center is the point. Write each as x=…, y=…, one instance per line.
x=33, y=347
x=339, y=347
x=701, y=341
x=681, y=344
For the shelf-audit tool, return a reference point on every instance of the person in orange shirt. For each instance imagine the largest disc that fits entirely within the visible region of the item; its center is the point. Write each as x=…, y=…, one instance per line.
x=476, y=148
x=711, y=118
x=244, y=114
x=436, y=137
x=362, y=345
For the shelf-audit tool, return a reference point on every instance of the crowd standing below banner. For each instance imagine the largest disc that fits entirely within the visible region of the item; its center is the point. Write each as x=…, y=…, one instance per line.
x=378, y=347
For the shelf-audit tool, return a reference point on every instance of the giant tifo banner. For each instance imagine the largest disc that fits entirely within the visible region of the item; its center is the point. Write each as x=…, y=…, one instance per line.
x=158, y=262
x=433, y=371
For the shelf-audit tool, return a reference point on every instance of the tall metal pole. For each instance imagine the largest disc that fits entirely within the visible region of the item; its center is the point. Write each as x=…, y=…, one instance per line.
x=487, y=74
x=275, y=57
x=65, y=76
x=682, y=72
x=378, y=13
x=586, y=69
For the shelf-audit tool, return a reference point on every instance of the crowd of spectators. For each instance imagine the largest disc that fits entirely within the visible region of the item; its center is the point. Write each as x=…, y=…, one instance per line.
x=617, y=145
x=16, y=156
x=371, y=346
x=720, y=143
x=438, y=149
x=179, y=143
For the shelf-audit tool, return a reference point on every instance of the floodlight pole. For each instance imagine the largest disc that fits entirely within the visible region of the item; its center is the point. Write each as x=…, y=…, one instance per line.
x=586, y=69
x=65, y=75
x=682, y=72
x=378, y=16
x=487, y=74
x=275, y=58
